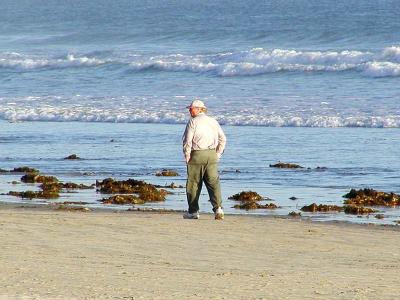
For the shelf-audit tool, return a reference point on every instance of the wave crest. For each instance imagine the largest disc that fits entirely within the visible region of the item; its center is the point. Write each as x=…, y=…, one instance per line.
x=13, y=113
x=21, y=62
x=382, y=69
x=252, y=62
x=392, y=54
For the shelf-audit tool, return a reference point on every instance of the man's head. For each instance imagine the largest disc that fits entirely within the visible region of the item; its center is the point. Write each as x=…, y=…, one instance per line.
x=197, y=107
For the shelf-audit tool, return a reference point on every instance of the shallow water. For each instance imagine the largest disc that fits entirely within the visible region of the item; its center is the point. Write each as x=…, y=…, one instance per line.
x=353, y=158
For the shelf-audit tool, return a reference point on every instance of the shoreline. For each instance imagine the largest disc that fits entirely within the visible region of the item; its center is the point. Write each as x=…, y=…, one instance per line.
x=54, y=207
x=55, y=254
x=75, y=208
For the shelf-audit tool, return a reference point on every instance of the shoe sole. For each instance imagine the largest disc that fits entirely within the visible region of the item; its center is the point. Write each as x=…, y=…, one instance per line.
x=191, y=218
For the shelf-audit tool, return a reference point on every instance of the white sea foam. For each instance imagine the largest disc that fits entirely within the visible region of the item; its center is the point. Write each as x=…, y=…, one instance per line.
x=256, y=61
x=139, y=115
x=241, y=63
x=392, y=54
x=261, y=61
x=382, y=69
x=21, y=62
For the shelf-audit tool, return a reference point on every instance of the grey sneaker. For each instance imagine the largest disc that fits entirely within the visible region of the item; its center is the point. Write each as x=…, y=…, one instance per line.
x=188, y=215
x=219, y=214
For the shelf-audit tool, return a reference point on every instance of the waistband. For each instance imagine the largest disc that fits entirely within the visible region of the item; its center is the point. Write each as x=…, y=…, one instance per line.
x=212, y=149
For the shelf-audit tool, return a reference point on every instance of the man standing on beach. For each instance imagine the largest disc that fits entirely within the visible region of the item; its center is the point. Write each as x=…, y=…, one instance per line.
x=203, y=144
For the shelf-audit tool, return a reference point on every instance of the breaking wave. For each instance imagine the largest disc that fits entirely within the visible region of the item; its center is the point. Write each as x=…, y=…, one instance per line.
x=22, y=62
x=242, y=63
x=14, y=113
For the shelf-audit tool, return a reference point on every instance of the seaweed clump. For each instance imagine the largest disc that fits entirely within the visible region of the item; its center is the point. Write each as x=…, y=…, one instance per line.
x=166, y=173
x=58, y=186
x=173, y=186
x=71, y=185
x=282, y=165
x=254, y=205
x=24, y=170
x=75, y=202
x=123, y=200
x=73, y=208
x=371, y=197
x=35, y=177
x=246, y=196
x=321, y=208
x=20, y=170
x=145, y=191
x=358, y=210
x=249, y=201
x=72, y=156
x=35, y=195
x=50, y=187
x=294, y=214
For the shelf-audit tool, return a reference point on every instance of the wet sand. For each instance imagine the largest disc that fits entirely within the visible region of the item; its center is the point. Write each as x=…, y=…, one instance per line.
x=49, y=254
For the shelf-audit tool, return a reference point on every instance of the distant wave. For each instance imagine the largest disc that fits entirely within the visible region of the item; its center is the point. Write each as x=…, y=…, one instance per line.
x=382, y=69
x=13, y=113
x=22, y=62
x=392, y=54
x=252, y=62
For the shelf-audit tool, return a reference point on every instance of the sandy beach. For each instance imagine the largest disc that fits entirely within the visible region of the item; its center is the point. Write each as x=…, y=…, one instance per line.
x=50, y=254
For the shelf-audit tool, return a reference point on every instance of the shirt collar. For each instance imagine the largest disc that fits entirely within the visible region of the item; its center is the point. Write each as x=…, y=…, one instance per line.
x=200, y=114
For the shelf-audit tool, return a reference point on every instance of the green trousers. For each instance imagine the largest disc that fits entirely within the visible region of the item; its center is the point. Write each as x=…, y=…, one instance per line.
x=203, y=167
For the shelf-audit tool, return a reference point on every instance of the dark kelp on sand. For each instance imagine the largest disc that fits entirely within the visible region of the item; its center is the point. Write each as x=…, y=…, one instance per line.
x=348, y=209
x=249, y=201
x=35, y=177
x=123, y=200
x=246, y=196
x=321, y=208
x=358, y=210
x=294, y=214
x=35, y=195
x=73, y=208
x=371, y=197
x=144, y=191
x=50, y=187
x=172, y=185
x=254, y=205
x=356, y=202
x=167, y=173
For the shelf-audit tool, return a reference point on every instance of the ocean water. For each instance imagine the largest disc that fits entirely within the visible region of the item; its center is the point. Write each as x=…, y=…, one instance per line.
x=349, y=157
x=268, y=63
x=312, y=82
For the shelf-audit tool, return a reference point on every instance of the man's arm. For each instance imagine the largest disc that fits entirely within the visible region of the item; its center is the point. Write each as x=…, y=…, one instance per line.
x=221, y=142
x=188, y=140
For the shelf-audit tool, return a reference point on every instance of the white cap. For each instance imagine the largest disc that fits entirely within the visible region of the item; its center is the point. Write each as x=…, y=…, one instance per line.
x=197, y=103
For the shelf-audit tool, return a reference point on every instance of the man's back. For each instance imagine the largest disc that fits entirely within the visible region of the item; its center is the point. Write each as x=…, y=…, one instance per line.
x=206, y=132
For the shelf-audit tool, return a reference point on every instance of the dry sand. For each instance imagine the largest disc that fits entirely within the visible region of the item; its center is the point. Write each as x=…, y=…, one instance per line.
x=47, y=254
